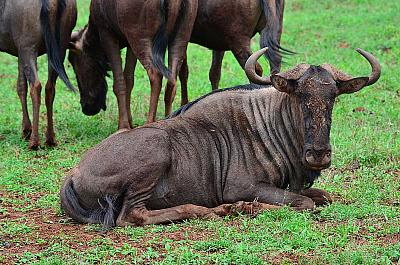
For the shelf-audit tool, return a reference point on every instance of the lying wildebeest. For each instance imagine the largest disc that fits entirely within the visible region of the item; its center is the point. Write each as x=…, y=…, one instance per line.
x=147, y=28
x=226, y=25
x=28, y=29
x=240, y=144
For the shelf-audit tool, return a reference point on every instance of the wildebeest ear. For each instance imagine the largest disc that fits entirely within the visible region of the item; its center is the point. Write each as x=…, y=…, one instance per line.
x=282, y=84
x=352, y=85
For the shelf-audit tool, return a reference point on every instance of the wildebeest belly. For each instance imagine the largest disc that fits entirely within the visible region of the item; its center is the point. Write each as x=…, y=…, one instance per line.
x=194, y=176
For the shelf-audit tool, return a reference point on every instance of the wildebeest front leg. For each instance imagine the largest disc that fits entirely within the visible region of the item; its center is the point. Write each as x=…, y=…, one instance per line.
x=277, y=196
x=215, y=70
x=271, y=195
x=22, y=89
x=112, y=48
x=29, y=64
x=320, y=197
x=50, y=94
x=130, y=65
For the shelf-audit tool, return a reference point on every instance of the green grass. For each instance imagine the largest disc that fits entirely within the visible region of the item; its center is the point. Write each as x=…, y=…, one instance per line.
x=360, y=227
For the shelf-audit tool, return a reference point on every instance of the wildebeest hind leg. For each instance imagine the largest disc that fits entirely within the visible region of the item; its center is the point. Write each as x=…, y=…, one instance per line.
x=130, y=65
x=141, y=216
x=22, y=89
x=50, y=94
x=215, y=70
x=184, y=76
x=28, y=59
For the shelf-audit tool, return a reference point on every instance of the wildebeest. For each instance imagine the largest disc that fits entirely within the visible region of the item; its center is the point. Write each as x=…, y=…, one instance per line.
x=226, y=25
x=240, y=144
x=147, y=28
x=29, y=28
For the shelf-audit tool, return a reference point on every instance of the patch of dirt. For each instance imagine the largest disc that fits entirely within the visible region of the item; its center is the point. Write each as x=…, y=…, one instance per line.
x=343, y=45
x=47, y=228
x=389, y=240
x=281, y=257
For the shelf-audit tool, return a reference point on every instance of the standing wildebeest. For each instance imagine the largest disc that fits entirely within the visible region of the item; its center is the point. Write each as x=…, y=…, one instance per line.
x=29, y=28
x=225, y=25
x=147, y=28
x=240, y=144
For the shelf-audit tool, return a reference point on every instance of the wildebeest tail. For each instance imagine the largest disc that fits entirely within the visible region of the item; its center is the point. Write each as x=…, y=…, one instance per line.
x=171, y=12
x=52, y=37
x=270, y=35
x=106, y=214
x=160, y=43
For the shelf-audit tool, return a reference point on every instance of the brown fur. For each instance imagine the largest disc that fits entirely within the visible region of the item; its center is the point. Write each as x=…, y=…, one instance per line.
x=248, y=143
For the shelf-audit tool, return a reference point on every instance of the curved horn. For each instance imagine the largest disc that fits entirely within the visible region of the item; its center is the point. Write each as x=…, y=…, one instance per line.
x=341, y=76
x=376, y=67
x=75, y=35
x=250, y=68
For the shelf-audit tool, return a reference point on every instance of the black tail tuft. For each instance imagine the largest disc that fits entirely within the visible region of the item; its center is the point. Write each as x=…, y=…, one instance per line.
x=270, y=34
x=106, y=214
x=52, y=39
x=160, y=44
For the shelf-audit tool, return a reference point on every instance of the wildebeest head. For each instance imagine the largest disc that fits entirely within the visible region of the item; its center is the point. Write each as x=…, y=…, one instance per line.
x=315, y=88
x=90, y=67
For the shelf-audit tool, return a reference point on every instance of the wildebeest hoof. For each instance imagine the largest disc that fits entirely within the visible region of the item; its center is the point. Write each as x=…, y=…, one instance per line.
x=250, y=208
x=211, y=216
x=303, y=203
x=34, y=145
x=320, y=197
x=50, y=141
x=26, y=133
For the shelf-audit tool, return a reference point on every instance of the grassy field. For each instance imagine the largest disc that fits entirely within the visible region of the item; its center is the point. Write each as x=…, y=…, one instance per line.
x=362, y=226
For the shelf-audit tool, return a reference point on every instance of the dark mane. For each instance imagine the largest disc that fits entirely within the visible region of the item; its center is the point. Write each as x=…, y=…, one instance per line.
x=184, y=108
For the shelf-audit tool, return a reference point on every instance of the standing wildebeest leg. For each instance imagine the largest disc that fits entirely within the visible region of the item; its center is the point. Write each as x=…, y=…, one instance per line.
x=155, y=82
x=28, y=59
x=22, y=89
x=215, y=70
x=177, y=49
x=144, y=55
x=112, y=47
x=130, y=65
x=320, y=197
x=50, y=94
x=183, y=76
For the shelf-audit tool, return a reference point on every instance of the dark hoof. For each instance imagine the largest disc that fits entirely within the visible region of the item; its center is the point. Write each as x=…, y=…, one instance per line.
x=303, y=204
x=320, y=197
x=249, y=208
x=50, y=140
x=51, y=143
x=34, y=145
